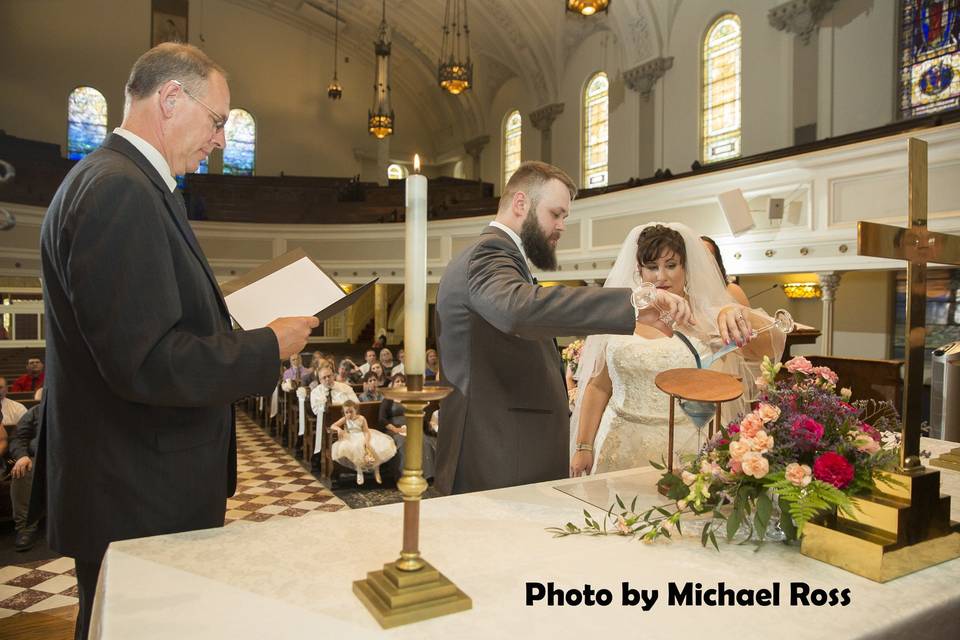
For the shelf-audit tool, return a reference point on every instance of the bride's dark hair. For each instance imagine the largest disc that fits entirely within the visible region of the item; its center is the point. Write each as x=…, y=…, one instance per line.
x=656, y=240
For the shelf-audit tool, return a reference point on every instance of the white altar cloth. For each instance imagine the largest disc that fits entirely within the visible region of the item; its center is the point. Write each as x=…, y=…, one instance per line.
x=292, y=578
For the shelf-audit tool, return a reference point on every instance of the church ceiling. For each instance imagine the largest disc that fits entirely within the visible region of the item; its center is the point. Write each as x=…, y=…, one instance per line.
x=528, y=39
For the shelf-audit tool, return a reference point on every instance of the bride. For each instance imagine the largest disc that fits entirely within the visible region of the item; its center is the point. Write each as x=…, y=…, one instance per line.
x=621, y=418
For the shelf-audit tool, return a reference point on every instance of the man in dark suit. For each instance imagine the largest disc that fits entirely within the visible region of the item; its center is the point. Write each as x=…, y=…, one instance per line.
x=143, y=366
x=507, y=420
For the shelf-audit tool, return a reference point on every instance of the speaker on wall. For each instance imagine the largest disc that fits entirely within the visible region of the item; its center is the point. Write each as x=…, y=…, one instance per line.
x=736, y=211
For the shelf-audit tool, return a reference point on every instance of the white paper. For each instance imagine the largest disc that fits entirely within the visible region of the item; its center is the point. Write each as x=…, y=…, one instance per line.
x=299, y=289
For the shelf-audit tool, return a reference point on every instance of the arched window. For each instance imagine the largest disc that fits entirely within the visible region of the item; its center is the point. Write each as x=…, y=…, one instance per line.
x=86, y=121
x=241, y=135
x=720, y=129
x=512, y=127
x=396, y=172
x=929, y=57
x=596, y=131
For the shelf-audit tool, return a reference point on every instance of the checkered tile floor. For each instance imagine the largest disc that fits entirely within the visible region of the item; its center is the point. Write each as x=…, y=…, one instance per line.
x=270, y=484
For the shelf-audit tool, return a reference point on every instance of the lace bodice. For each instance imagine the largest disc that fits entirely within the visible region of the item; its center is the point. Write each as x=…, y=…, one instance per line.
x=634, y=427
x=633, y=363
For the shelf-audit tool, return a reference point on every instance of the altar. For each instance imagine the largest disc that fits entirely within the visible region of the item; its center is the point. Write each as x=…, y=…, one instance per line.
x=292, y=579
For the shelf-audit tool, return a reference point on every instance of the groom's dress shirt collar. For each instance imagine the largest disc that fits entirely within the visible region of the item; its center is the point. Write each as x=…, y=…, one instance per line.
x=513, y=236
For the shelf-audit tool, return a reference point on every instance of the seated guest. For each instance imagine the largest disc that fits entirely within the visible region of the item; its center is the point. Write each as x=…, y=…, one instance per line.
x=347, y=372
x=297, y=372
x=32, y=379
x=377, y=369
x=399, y=368
x=381, y=340
x=10, y=410
x=328, y=390
x=369, y=358
x=371, y=388
x=394, y=422
x=732, y=287
x=23, y=449
x=386, y=361
x=357, y=446
x=432, y=370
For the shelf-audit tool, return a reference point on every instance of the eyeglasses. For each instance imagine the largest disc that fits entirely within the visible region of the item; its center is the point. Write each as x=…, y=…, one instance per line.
x=219, y=122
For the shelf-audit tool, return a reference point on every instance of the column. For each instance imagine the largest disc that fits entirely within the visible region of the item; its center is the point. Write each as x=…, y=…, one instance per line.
x=829, y=281
x=642, y=79
x=380, y=302
x=542, y=120
x=474, y=149
x=383, y=161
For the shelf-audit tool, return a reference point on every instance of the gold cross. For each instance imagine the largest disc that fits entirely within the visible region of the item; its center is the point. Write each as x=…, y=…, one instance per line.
x=918, y=246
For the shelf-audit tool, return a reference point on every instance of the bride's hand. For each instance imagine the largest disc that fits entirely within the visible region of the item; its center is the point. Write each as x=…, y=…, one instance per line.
x=581, y=464
x=674, y=310
x=733, y=321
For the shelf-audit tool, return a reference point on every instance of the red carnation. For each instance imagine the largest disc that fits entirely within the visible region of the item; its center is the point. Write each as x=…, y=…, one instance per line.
x=834, y=469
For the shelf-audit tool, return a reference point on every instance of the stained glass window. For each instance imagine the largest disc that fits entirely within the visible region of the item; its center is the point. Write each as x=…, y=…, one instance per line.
x=929, y=56
x=512, y=127
x=720, y=129
x=86, y=121
x=596, y=131
x=396, y=172
x=241, y=135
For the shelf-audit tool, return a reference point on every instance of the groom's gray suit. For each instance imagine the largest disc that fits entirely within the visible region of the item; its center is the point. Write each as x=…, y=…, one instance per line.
x=507, y=420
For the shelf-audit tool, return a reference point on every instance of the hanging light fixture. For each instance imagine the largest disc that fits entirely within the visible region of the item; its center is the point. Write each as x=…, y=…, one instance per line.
x=335, y=89
x=455, y=70
x=380, y=119
x=588, y=7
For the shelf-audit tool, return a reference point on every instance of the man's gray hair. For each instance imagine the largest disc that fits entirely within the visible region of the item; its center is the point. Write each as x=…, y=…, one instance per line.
x=170, y=61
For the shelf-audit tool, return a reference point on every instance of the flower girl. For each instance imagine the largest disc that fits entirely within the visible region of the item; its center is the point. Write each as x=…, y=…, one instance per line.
x=359, y=447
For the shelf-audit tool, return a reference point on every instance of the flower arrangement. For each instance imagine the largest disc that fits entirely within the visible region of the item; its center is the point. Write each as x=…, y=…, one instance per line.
x=804, y=448
x=571, y=355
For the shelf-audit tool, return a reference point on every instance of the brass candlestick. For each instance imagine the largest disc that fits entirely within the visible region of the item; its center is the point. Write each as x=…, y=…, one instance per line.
x=410, y=589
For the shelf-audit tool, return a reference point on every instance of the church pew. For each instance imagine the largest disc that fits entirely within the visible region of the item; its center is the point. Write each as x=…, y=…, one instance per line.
x=867, y=379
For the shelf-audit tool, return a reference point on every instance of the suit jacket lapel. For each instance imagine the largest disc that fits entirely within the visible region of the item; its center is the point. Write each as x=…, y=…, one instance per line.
x=175, y=205
x=513, y=250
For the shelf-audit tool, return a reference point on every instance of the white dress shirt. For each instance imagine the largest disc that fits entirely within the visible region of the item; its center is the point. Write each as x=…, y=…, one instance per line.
x=339, y=393
x=151, y=154
x=12, y=411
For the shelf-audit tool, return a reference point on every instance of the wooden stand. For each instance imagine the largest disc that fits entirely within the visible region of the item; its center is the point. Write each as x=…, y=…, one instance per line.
x=699, y=385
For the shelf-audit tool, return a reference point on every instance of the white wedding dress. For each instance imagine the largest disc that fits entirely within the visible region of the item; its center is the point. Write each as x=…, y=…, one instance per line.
x=636, y=420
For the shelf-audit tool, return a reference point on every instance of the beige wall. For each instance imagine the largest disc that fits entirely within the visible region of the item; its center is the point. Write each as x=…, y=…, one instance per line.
x=861, y=320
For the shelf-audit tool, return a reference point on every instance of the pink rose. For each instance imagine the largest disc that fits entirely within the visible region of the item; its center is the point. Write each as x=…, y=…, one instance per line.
x=750, y=424
x=806, y=429
x=739, y=448
x=735, y=466
x=761, y=442
x=733, y=428
x=799, y=364
x=798, y=474
x=754, y=464
x=863, y=442
x=760, y=383
x=827, y=374
x=834, y=469
x=768, y=412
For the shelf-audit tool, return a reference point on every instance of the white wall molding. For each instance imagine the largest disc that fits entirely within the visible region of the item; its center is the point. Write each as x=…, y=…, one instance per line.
x=811, y=181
